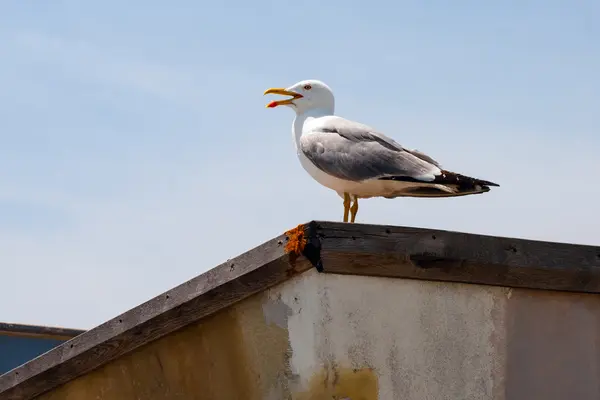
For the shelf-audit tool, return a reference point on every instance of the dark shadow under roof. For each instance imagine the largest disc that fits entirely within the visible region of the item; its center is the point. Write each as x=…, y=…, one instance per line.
x=330, y=247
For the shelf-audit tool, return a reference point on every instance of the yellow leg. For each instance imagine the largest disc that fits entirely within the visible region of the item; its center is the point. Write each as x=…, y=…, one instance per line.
x=346, y=206
x=354, y=210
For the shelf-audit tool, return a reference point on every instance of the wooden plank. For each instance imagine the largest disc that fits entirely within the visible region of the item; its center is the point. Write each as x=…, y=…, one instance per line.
x=391, y=251
x=40, y=332
x=230, y=282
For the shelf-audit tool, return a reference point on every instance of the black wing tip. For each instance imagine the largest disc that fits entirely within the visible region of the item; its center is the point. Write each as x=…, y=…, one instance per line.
x=486, y=183
x=448, y=177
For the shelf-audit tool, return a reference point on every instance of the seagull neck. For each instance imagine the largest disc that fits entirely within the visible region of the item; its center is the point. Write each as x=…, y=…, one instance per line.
x=303, y=117
x=315, y=113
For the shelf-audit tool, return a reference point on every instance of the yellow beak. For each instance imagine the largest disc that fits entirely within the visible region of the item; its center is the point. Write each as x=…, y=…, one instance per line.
x=282, y=92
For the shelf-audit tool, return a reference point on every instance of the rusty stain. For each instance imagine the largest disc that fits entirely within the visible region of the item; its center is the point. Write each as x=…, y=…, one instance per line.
x=341, y=383
x=295, y=242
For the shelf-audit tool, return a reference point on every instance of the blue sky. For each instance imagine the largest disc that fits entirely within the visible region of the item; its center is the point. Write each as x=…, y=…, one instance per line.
x=136, y=152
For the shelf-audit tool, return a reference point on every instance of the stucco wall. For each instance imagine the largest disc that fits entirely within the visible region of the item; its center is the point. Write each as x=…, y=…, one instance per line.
x=430, y=340
x=423, y=340
x=325, y=336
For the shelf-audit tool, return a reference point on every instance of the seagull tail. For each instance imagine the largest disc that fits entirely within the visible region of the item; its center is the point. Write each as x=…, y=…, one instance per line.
x=463, y=182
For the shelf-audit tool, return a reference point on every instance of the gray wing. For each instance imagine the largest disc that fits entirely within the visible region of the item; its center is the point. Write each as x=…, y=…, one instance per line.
x=424, y=157
x=355, y=152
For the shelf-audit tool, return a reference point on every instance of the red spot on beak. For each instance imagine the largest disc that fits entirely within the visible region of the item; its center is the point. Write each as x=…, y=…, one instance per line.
x=272, y=104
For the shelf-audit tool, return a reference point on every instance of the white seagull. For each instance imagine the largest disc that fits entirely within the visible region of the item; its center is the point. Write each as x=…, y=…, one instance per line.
x=359, y=162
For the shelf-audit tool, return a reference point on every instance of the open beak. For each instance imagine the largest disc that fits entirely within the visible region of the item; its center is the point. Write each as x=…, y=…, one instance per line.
x=282, y=92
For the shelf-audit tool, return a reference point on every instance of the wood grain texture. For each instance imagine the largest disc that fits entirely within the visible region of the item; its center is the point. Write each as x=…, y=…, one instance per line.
x=218, y=288
x=359, y=249
x=380, y=250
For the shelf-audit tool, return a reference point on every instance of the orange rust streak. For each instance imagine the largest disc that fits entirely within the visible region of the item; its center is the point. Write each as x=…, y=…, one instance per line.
x=296, y=240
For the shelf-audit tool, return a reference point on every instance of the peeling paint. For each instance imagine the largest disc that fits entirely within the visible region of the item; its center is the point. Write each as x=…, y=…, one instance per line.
x=276, y=312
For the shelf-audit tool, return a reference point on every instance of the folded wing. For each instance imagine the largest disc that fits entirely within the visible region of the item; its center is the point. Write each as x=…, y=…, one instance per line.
x=356, y=152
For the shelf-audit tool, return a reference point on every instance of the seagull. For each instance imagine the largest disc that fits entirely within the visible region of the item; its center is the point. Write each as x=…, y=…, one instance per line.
x=357, y=161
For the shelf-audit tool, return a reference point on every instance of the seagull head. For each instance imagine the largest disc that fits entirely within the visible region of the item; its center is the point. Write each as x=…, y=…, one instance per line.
x=304, y=96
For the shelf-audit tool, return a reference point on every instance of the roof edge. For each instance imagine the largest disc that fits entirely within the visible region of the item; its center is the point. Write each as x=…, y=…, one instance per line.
x=38, y=331
x=439, y=255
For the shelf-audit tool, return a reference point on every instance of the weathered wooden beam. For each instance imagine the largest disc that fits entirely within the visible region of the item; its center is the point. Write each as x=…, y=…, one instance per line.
x=378, y=250
x=358, y=249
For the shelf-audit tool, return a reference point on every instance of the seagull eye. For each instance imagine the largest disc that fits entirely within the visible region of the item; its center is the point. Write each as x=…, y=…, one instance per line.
x=307, y=87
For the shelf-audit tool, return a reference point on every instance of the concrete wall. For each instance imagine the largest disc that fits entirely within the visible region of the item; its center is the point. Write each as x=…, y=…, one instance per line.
x=325, y=336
